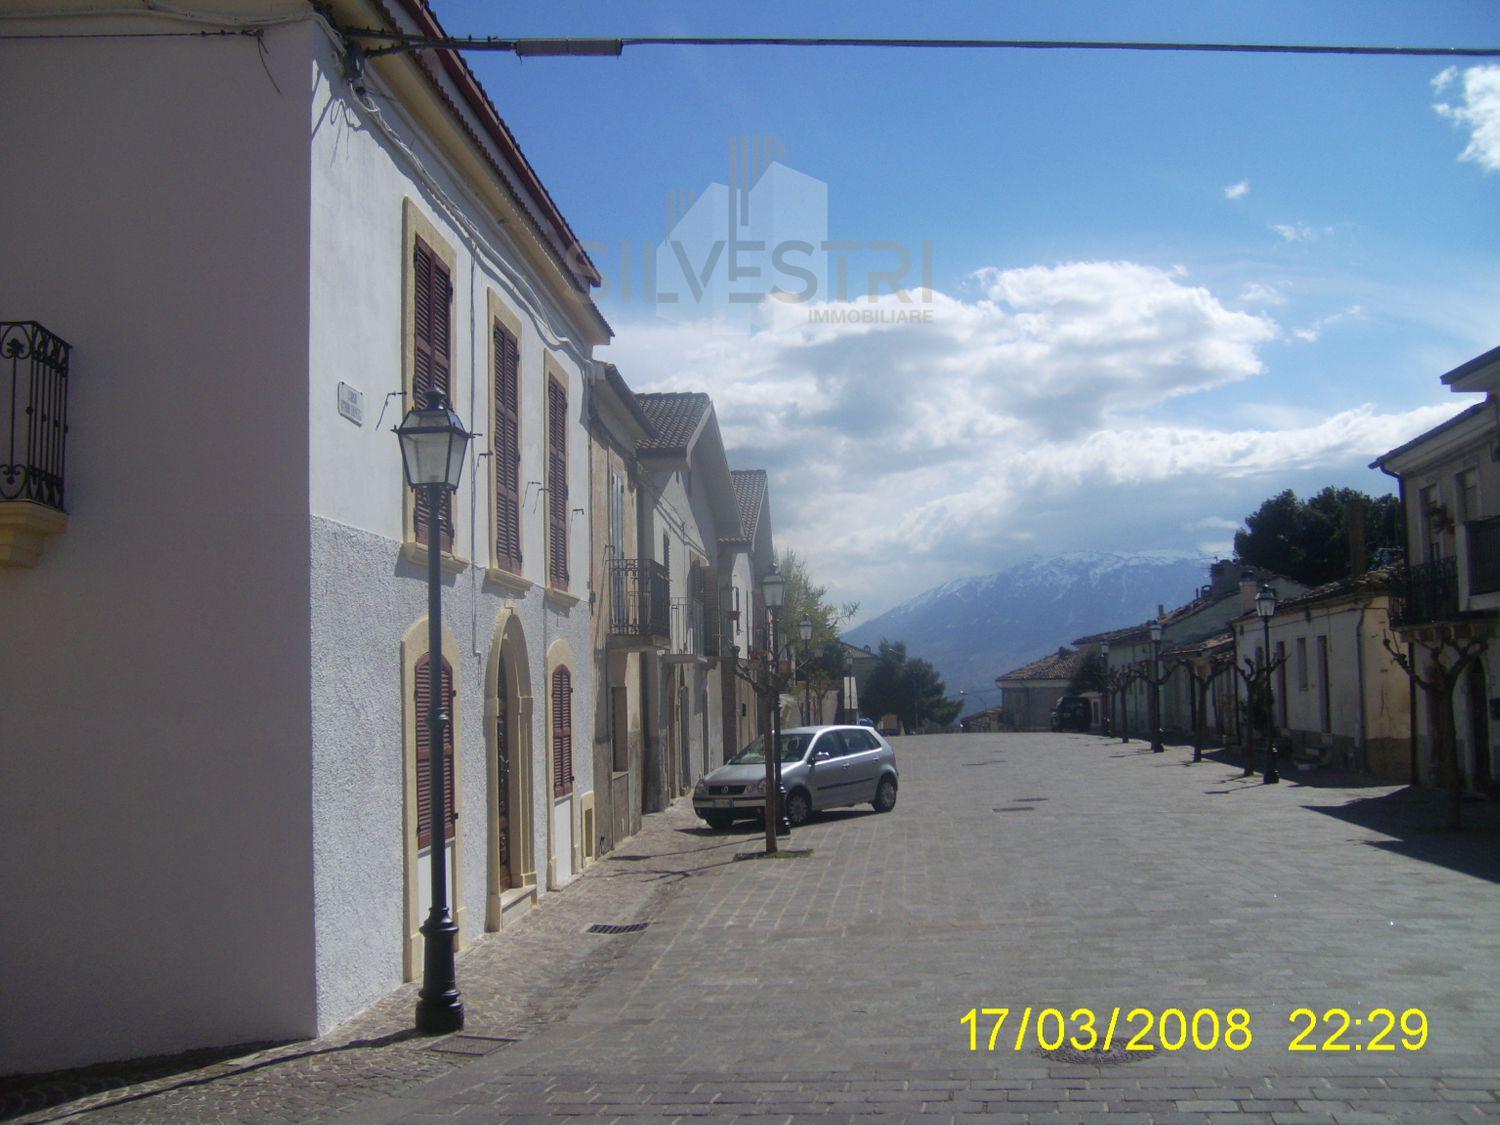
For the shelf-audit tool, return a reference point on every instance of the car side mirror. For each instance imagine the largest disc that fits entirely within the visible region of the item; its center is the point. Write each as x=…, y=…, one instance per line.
x=821, y=756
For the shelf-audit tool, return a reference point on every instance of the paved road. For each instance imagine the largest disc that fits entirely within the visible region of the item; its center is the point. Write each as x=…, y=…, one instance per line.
x=1047, y=871
x=1061, y=871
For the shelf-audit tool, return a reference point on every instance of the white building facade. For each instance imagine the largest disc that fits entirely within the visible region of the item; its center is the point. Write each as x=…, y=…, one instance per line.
x=211, y=677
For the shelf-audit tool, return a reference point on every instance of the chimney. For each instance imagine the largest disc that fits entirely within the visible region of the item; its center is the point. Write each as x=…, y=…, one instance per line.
x=1355, y=520
x=1249, y=587
x=1161, y=611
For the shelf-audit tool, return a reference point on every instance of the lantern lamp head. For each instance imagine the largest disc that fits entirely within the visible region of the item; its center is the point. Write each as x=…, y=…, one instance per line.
x=1265, y=602
x=774, y=587
x=433, y=444
x=805, y=628
x=1155, y=631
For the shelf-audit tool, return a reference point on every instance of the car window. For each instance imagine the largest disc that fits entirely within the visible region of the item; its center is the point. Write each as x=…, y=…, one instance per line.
x=831, y=742
x=860, y=740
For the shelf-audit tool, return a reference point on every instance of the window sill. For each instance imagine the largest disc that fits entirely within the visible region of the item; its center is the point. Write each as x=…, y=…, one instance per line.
x=23, y=527
x=416, y=554
x=561, y=598
x=507, y=580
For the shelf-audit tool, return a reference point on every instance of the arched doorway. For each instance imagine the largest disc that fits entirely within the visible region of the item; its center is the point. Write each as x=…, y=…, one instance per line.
x=510, y=861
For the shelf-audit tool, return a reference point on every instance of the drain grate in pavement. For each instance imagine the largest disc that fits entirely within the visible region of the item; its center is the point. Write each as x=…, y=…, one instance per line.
x=474, y=1046
x=987, y=762
x=1015, y=808
x=606, y=928
x=1022, y=799
x=1094, y=1056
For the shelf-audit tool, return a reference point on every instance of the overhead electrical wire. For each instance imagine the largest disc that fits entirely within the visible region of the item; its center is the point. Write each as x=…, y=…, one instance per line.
x=595, y=47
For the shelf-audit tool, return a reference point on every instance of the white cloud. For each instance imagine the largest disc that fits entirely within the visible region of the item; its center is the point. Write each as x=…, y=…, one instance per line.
x=1237, y=190
x=1025, y=413
x=1309, y=333
x=1257, y=293
x=1300, y=232
x=1478, y=111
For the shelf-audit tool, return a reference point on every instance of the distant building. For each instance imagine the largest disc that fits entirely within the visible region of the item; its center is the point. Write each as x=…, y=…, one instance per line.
x=1445, y=602
x=1029, y=693
x=990, y=719
x=1339, y=697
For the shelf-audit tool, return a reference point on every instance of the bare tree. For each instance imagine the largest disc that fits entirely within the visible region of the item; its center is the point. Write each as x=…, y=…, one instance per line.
x=1448, y=658
x=1259, y=700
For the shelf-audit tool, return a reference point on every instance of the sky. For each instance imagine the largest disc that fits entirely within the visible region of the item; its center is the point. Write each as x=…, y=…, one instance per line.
x=1145, y=291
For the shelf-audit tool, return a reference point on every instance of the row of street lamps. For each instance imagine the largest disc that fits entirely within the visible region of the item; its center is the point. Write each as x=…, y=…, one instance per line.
x=1265, y=609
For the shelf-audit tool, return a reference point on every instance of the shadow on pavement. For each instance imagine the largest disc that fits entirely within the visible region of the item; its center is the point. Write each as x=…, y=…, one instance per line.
x=33, y=1093
x=1416, y=819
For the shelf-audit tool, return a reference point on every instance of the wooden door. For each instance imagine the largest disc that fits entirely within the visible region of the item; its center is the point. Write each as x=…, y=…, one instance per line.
x=502, y=786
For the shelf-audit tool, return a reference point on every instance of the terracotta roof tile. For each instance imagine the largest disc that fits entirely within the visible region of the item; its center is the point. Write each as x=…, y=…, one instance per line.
x=675, y=416
x=750, y=497
x=1056, y=666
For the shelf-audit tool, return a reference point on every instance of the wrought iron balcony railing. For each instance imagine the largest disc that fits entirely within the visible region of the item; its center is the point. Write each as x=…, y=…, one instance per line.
x=1424, y=593
x=687, y=627
x=1484, y=555
x=33, y=413
x=639, y=599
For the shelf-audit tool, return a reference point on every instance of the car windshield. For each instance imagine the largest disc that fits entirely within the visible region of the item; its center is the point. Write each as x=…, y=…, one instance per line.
x=793, y=746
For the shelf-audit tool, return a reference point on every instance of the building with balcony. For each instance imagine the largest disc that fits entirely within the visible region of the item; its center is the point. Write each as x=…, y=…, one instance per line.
x=631, y=610
x=693, y=506
x=1445, y=600
x=745, y=558
x=250, y=256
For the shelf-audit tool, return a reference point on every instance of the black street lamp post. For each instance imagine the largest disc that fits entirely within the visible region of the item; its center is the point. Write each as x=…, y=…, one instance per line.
x=774, y=587
x=433, y=445
x=1109, y=700
x=1155, y=681
x=804, y=630
x=1265, y=608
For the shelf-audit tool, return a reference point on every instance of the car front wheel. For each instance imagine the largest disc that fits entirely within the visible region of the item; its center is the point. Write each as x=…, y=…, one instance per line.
x=885, y=795
x=798, y=808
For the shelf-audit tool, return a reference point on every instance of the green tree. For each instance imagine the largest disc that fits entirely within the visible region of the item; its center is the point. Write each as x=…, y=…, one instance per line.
x=1308, y=540
x=908, y=688
x=1089, y=674
x=820, y=662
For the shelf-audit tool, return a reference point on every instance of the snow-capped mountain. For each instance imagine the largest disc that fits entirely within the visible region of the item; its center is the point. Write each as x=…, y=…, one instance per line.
x=973, y=629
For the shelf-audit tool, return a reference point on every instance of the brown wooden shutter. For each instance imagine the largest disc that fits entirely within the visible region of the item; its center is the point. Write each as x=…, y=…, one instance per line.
x=562, y=733
x=424, y=753
x=431, y=363
x=557, y=483
x=507, y=450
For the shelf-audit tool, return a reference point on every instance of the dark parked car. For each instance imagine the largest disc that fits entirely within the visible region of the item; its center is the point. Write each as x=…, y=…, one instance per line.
x=1072, y=712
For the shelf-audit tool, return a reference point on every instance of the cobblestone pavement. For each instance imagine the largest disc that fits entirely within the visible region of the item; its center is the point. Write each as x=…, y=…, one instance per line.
x=1063, y=871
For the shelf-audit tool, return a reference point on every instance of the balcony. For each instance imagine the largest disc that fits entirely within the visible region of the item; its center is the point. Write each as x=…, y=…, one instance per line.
x=1425, y=593
x=1484, y=555
x=687, y=631
x=33, y=433
x=639, y=603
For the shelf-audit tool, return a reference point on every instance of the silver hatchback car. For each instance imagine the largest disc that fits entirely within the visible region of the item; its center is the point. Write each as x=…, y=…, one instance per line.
x=821, y=768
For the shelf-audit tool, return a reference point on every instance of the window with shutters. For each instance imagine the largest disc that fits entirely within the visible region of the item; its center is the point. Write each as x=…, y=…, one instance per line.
x=506, y=357
x=562, y=732
x=557, y=485
x=431, y=335
x=422, y=713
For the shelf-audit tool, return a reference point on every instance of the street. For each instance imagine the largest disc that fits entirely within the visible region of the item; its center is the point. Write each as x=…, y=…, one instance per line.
x=1058, y=871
